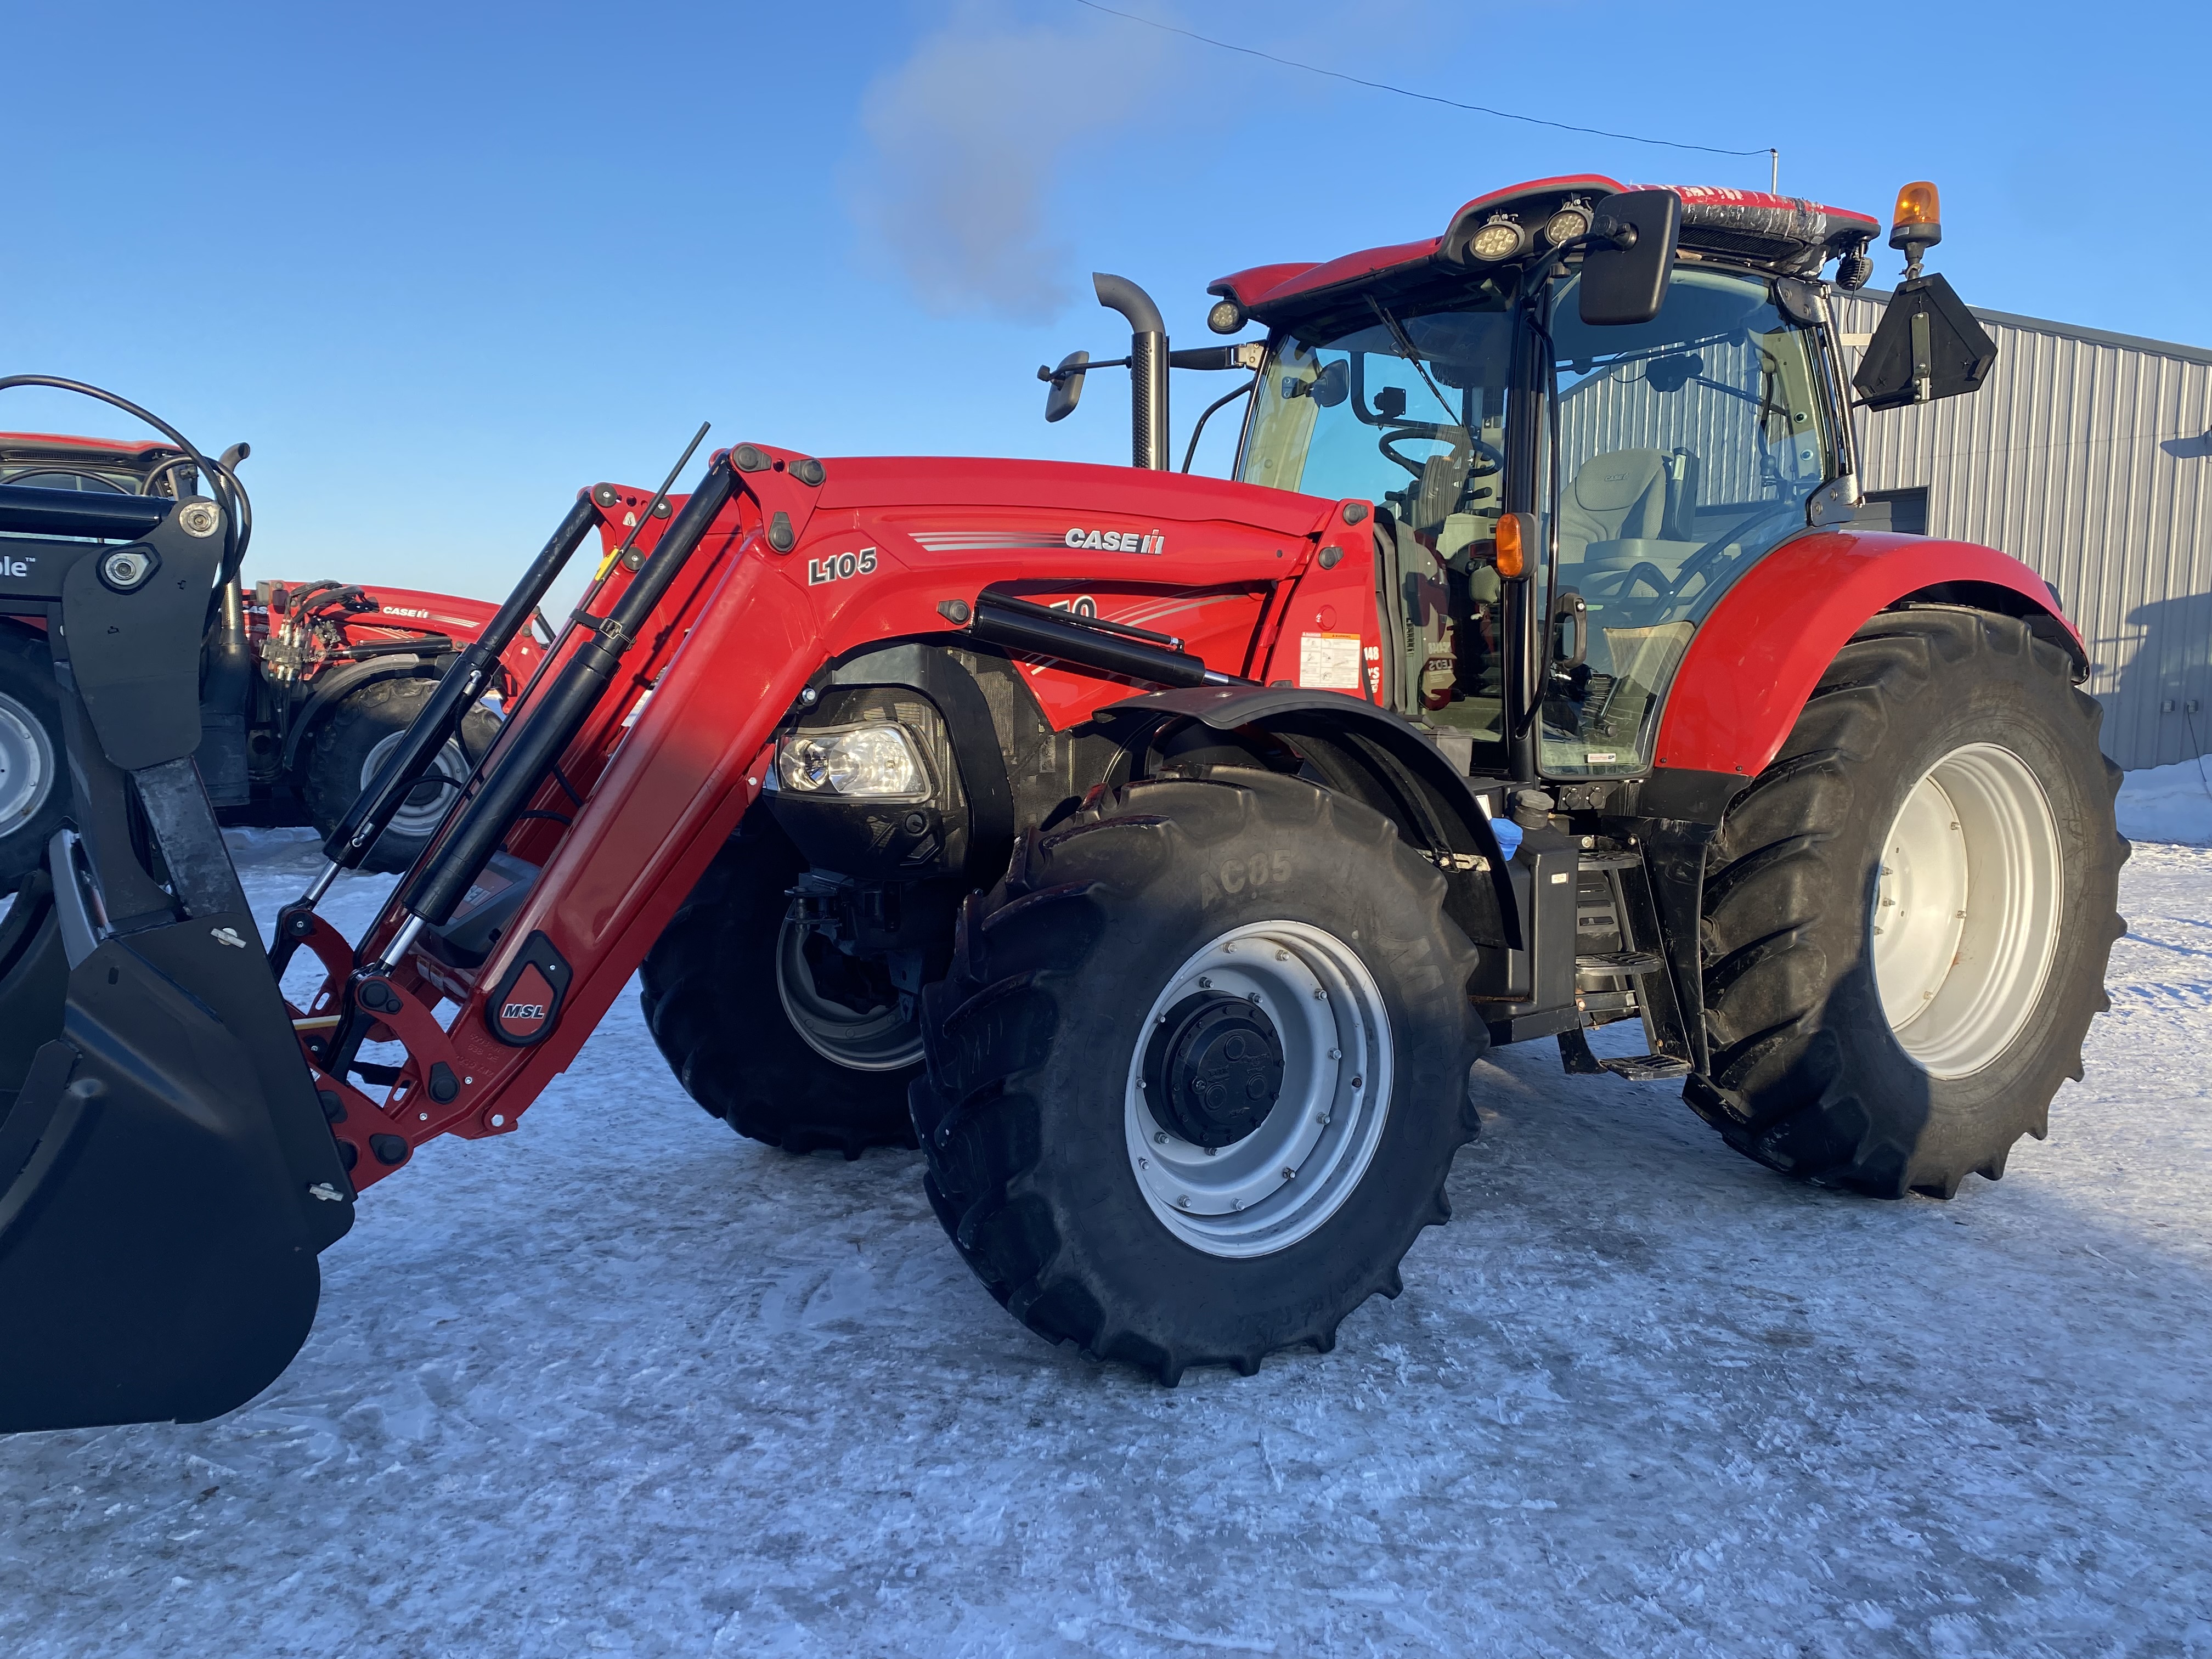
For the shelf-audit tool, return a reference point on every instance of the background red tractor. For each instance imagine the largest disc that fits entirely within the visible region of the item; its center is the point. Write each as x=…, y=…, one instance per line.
x=305, y=689
x=1159, y=853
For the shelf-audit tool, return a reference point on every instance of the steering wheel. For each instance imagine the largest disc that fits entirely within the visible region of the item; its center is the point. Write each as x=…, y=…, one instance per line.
x=1436, y=432
x=1699, y=562
x=1695, y=565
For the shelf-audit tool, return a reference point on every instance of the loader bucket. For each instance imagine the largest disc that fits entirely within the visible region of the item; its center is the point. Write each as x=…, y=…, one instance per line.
x=167, y=1177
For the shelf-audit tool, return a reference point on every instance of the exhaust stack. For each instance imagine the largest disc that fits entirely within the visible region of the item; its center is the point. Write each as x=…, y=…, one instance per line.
x=1148, y=367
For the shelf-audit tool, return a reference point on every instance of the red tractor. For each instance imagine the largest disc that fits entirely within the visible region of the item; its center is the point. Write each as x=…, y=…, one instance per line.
x=305, y=688
x=1158, y=853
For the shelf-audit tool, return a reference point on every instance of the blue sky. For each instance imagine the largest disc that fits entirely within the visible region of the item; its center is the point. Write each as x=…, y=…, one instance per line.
x=443, y=264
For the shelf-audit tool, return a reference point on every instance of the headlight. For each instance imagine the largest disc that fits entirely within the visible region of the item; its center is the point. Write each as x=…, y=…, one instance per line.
x=878, y=761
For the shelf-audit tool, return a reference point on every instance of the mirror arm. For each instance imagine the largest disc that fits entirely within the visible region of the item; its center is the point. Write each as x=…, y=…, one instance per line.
x=1052, y=376
x=1605, y=231
x=1247, y=355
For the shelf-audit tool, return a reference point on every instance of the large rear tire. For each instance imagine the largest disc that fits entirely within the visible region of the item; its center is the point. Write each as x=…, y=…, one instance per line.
x=1907, y=915
x=762, y=1023
x=33, y=763
x=351, y=748
x=1245, y=963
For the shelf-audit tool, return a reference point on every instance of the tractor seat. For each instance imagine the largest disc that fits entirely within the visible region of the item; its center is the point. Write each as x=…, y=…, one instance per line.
x=1619, y=495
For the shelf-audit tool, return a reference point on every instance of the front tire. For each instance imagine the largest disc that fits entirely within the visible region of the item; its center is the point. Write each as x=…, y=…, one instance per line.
x=1244, y=963
x=1907, y=914
x=762, y=1023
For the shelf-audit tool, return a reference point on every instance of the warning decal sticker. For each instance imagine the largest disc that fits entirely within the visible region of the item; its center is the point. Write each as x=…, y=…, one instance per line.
x=1329, y=662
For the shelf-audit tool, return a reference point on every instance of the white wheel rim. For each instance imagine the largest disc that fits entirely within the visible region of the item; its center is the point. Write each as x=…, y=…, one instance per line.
x=1966, y=909
x=882, y=1041
x=422, y=811
x=26, y=765
x=1294, y=1172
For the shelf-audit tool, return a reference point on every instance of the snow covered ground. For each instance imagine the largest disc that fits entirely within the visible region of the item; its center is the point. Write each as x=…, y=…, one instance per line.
x=622, y=1383
x=2168, y=803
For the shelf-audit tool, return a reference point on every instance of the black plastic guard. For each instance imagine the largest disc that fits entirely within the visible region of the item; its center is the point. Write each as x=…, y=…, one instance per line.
x=155, y=1262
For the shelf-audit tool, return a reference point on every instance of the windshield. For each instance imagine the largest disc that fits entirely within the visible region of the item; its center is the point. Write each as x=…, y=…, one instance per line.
x=1688, y=448
x=1409, y=411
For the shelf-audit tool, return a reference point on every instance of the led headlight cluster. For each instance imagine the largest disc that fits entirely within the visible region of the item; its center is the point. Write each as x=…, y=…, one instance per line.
x=1501, y=239
x=877, y=761
x=1569, y=223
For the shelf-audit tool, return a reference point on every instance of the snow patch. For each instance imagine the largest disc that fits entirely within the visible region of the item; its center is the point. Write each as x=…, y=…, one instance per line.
x=2168, y=803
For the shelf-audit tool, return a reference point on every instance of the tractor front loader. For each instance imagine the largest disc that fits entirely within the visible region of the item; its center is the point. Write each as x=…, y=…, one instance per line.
x=1158, y=854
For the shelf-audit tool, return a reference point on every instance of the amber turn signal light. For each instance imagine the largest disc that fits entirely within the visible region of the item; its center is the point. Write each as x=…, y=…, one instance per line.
x=1515, y=532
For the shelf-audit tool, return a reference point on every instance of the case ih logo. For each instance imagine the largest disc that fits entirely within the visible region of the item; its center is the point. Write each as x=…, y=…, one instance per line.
x=1117, y=541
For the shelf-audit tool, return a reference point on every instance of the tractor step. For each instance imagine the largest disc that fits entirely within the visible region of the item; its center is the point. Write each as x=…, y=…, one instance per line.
x=1647, y=1068
x=1621, y=963
x=1623, y=861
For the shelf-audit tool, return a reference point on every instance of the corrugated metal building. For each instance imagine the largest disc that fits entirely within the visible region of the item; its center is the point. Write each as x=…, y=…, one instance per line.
x=2088, y=456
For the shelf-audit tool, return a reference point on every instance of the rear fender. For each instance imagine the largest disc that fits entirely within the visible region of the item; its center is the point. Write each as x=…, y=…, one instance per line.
x=1373, y=756
x=1755, y=660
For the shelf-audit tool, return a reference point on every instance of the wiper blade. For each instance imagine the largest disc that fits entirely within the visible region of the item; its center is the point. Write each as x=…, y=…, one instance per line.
x=1405, y=351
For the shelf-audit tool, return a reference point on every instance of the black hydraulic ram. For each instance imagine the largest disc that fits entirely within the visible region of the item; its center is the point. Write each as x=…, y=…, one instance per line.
x=551, y=725
x=432, y=728
x=1111, y=647
x=463, y=684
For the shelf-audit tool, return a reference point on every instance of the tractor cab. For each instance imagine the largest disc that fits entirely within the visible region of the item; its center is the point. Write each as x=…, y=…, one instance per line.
x=1581, y=413
x=1454, y=382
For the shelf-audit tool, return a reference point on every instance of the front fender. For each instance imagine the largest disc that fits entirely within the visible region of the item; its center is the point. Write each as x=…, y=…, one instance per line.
x=1755, y=660
x=328, y=689
x=1400, y=773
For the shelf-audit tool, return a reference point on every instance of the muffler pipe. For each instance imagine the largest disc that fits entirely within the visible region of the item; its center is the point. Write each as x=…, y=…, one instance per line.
x=1148, y=367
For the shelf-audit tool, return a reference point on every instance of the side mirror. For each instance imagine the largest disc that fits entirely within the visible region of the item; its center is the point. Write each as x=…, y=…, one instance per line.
x=1927, y=346
x=1631, y=259
x=1066, y=383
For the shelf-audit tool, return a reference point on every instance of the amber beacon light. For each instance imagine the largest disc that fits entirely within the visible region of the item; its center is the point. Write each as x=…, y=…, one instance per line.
x=1918, y=224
